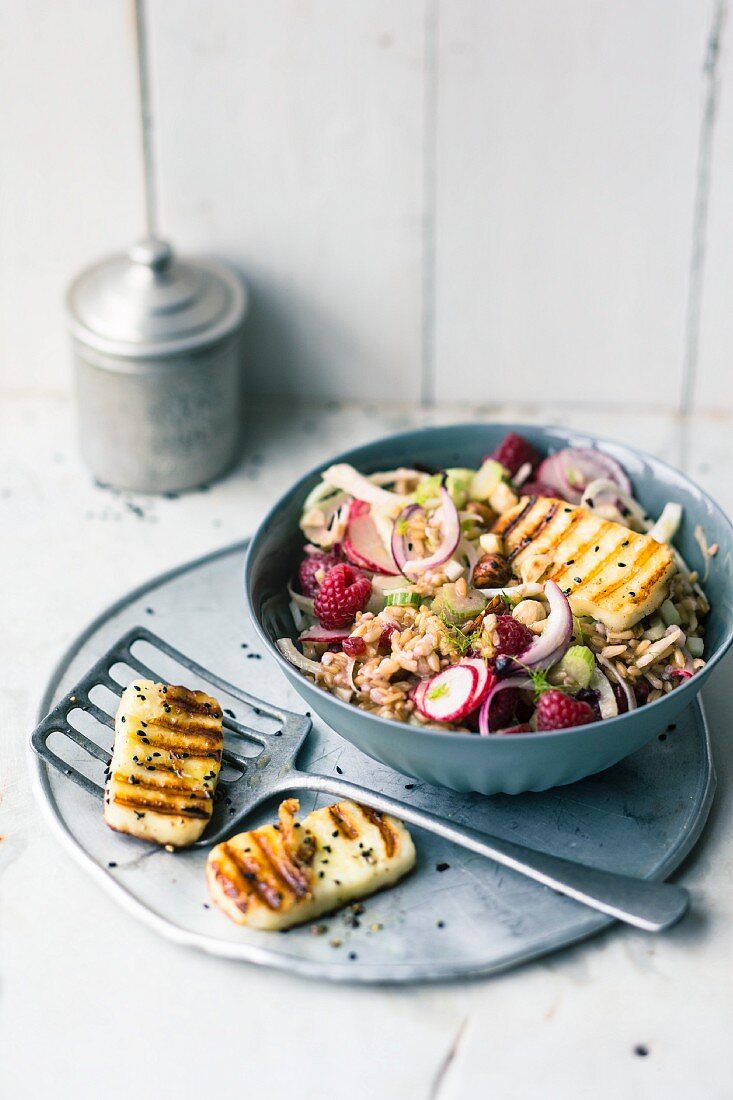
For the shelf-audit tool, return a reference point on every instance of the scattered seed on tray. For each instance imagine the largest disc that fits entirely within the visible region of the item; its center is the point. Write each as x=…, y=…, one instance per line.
x=336, y=943
x=319, y=929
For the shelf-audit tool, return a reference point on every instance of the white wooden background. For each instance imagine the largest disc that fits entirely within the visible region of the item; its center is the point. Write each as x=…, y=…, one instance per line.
x=433, y=200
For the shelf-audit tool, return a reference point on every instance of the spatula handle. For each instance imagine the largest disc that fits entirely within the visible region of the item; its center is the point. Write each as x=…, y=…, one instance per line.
x=652, y=906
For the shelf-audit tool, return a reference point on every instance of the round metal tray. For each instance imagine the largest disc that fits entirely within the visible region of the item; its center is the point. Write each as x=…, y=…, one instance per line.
x=456, y=915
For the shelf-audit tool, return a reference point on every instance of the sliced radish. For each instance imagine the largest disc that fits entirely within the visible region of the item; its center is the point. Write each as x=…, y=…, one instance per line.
x=323, y=635
x=362, y=544
x=485, y=679
x=448, y=697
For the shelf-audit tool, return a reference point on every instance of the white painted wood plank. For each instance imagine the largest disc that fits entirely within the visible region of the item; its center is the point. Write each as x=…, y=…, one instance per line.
x=566, y=155
x=70, y=175
x=714, y=382
x=289, y=138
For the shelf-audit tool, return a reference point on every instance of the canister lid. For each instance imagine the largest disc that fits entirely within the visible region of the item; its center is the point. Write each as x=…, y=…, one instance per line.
x=148, y=303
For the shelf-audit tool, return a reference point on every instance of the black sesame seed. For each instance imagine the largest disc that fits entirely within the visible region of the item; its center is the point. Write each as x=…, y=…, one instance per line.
x=339, y=770
x=123, y=719
x=567, y=509
x=352, y=954
x=597, y=549
x=662, y=736
x=440, y=924
x=570, y=562
x=111, y=863
x=622, y=565
x=625, y=542
x=336, y=833
x=641, y=1050
x=632, y=594
x=409, y=786
x=442, y=866
x=578, y=580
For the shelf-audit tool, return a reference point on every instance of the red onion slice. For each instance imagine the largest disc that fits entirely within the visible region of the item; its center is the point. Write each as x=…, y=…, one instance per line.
x=552, y=643
x=324, y=635
x=522, y=682
x=574, y=468
x=447, y=516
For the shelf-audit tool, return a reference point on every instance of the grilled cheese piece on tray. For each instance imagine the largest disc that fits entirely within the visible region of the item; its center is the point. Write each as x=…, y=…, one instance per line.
x=165, y=763
x=607, y=571
x=280, y=875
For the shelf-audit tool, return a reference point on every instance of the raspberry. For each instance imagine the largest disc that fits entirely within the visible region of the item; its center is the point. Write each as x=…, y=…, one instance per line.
x=385, y=638
x=539, y=489
x=523, y=727
x=514, y=637
x=342, y=593
x=514, y=451
x=308, y=568
x=503, y=705
x=354, y=647
x=558, y=711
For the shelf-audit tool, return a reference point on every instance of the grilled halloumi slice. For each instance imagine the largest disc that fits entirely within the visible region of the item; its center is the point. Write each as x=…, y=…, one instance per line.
x=607, y=571
x=284, y=874
x=165, y=763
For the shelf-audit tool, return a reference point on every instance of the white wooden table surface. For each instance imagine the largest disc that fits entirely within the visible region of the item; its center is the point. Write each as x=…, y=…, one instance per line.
x=92, y=1004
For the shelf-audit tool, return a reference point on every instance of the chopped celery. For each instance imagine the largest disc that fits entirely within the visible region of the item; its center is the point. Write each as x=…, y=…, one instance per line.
x=486, y=480
x=428, y=490
x=402, y=598
x=578, y=664
x=458, y=484
x=457, y=609
x=696, y=646
x=670, y=614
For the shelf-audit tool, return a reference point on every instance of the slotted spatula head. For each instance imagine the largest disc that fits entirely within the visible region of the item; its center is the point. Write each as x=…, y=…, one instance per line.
x=257, y=776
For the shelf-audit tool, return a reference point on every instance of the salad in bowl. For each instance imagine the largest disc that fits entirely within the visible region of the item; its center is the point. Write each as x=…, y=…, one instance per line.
x=531, y=593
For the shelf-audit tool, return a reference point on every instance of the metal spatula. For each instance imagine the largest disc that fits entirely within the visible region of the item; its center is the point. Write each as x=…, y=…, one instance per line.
x=650, y=905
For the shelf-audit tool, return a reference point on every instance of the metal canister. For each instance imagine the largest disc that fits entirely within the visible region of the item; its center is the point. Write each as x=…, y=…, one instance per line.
x=157, y=359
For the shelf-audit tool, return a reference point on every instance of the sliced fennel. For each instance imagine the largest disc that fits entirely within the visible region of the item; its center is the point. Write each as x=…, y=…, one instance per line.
x=667, y=526
x=361, y=488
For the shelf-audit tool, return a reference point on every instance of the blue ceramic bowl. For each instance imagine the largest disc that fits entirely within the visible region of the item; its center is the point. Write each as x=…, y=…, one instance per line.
x=523, y=762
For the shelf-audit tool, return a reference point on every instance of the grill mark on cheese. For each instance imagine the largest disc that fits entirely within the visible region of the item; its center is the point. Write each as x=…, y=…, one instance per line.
x=283, y=867
x=343, y=822
x=176, y=746
x=161, y=806
x=251, y=873
x=229, y=887
x=180, y=731
x=148, y=783
x=386, y=831
x=518, y=518
x=529, y=536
